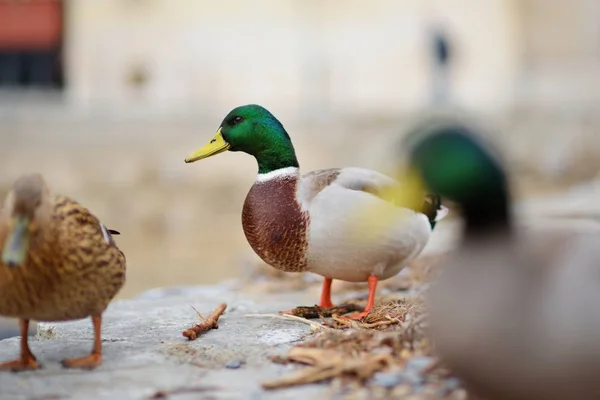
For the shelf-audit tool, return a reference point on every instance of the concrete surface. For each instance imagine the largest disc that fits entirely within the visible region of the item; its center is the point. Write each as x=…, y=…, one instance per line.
x=145, y=352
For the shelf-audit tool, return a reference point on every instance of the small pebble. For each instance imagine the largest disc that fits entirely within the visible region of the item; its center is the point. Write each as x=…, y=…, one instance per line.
x=418, y=364
x=393, y=379
x=387, y=379
x=233, y=364
x=413, y=378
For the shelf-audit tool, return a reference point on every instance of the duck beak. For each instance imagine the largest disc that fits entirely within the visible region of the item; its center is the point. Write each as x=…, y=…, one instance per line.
x=215, y=146
x=16, y=244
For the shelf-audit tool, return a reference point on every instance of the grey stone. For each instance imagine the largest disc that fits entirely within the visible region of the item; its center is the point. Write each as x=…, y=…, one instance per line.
x=387, y=379
x=396, y=378
x=411, y=376
x=144, y=351
x=233, y=364
x=418, y=364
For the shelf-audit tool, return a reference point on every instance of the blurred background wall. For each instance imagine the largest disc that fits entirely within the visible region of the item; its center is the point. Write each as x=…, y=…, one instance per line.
x=189, y=54
x=106, y=98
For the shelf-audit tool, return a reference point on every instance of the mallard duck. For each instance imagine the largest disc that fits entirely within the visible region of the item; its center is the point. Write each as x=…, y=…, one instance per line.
x=301, y=223
x=512, y=321
x=59, y=263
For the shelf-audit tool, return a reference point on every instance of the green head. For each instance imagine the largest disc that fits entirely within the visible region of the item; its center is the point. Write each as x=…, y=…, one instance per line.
x=253, y=130
x=453, y=162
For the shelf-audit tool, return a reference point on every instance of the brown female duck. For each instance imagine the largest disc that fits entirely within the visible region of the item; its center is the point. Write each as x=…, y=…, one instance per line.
x=59, y=263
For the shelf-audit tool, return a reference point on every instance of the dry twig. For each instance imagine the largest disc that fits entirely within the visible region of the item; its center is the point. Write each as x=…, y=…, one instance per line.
x=315, y=326
x=327, y=364
x=207, y=323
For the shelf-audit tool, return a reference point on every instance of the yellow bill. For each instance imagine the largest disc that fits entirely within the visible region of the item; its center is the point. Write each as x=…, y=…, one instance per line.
x=215, y=146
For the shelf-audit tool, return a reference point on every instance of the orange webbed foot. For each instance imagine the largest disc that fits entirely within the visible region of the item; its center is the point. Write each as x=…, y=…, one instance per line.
x=27, y=362
x=88, y=362
x=23, y=364
x=370, y=303
x=357, y=316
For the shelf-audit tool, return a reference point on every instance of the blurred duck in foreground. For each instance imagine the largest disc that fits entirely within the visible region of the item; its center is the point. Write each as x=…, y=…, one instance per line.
x=58, y=263
x=309, y=222
x=513, y=321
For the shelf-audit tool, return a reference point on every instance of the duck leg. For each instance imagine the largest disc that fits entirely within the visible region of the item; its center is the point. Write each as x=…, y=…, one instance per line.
x=371, y=302
x=27, y=360
x=95, y=358
x=326, y=294
x=325, y=298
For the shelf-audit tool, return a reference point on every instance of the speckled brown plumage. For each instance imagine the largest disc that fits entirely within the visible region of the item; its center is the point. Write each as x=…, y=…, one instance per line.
x=72, y=269
x=275, y=225
x=71, y=272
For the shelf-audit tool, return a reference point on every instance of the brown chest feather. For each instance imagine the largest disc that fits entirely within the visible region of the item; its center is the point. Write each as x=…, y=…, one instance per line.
x=275, y=225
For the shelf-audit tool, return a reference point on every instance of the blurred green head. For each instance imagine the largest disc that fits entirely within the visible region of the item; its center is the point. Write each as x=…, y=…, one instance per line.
x=254, y=130
x=452, y=161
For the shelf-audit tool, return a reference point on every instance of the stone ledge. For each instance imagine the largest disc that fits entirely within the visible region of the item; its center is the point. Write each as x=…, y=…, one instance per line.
x=144, y=351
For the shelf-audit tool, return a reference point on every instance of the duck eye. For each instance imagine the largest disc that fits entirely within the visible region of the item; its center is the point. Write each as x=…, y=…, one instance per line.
x=237, y=120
